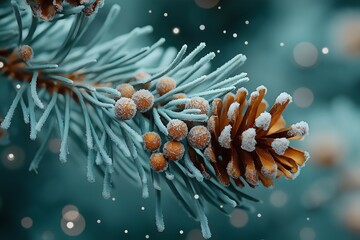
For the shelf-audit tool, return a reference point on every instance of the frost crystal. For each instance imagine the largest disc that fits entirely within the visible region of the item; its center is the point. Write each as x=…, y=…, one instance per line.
x=283, y=98
x=232, y=110
x=225, y=137
x=279, y=145
x=262, y=87
x=248, y=141
x=299, y=129
x=263, y=121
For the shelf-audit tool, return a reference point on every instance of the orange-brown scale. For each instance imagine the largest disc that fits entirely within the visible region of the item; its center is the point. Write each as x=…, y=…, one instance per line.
x=263, y=164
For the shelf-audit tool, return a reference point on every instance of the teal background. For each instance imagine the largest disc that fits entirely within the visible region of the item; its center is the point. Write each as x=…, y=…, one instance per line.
x=317, y=202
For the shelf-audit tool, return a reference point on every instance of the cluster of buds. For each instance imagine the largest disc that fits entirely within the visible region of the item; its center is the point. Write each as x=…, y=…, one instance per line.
x=241, y=140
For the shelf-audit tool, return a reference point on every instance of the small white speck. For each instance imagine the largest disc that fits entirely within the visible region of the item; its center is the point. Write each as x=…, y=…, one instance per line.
x=325, y=50
x=219, y=7
x=150, y=11
x=98, y=221
x=147, y=236
x=1, y=64
x=259, y=215
x=202, y=27
x=308, y=219
x=126, y=231
x=218, y=51
x=235, y=35
x=221, y=206
x=224, y=31
x=69, y=225
x=18, y=86
x=142, y=208
x=176, y=30
x=282, y=44
x=247, y=22
x=246, y=42
x=10, y=156
x=165, y=14
x=196, y=196
x=181, y=232
x=113, y=199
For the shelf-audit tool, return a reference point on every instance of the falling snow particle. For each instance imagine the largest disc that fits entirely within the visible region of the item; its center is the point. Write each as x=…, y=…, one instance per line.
x=70, y=225
x=98, y=221
x=196, y=196
x=224, y=31
x=18, y=86
x=150, y=11
x=176, y=30
x=202, y=27
x=142, y=208
x=219, y=7
x=181, y=232
x=325, y=50
x=247, y=22
x=282, y=44
x=259, y=215
x=147, y=236
x=10, y=157
x=126, y=231
x=235, y=35
x=165, y=14
x=246, y=42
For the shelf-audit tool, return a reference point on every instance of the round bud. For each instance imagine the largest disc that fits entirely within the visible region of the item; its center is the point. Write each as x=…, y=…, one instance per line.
x=158, y=162
x=177, y=129
x=143, y=99
x=142, y=76
x=25, y=52
x=198, y=103
x=152, y=141
x=173, y=150
x=199, y=137
x=125, y=108
x=126, y=90
x=179, y=96
x=165, y=85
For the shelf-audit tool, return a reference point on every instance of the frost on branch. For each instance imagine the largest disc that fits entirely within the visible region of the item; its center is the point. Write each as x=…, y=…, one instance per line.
x=153, y=124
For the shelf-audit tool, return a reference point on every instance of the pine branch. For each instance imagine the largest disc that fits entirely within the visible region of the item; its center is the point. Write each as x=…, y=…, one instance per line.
x=110, y=96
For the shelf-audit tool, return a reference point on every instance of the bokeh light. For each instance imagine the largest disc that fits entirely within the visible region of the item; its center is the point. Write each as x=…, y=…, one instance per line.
x=176, y=30
x=239, y=218
x=207, y=3
x=346, y=33
x=75, y=227
x=54, y=145
x=305, y=54
x=307, y=233
x=13, y=157
x=278, y=198
x=303, y=97
x=351, y=214
x=327, y=148
x=26, y=222
x=194, y=234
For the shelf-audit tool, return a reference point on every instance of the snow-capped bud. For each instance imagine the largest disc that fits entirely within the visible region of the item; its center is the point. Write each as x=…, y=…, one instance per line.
x=248, y=141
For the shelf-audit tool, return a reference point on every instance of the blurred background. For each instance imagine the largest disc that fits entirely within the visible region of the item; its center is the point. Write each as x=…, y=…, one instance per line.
x=310, y=49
